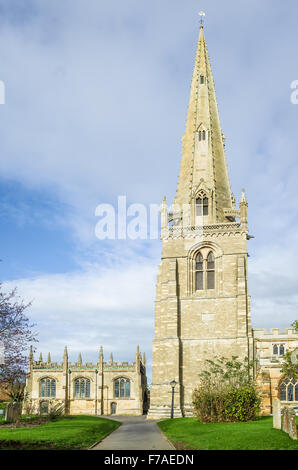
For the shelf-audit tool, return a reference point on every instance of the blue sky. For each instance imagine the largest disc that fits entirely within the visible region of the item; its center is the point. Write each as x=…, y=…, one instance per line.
x=96, y=102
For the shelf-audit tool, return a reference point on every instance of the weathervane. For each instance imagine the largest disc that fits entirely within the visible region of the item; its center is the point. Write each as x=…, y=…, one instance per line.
x=202, y=14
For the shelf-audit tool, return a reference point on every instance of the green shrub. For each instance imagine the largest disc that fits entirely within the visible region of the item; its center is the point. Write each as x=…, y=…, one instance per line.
x=226, y=392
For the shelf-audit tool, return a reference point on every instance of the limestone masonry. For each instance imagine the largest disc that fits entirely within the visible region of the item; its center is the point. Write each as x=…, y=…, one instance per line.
x=202, y=305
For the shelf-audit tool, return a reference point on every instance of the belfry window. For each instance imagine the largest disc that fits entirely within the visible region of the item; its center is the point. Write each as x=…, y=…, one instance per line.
x=82, y=388
x=122, y=388
x=205, y=272
x=202, y=206
x=289, y=389
x=47, y=387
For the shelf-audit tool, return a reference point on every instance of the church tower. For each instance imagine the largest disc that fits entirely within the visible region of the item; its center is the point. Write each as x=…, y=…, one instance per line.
x=202, y=302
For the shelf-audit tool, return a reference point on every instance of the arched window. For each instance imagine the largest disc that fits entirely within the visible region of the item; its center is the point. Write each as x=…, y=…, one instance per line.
x=202, y=79
x=48, y=387
x=289, y=389
x=199, y=272
x=279, y=349
x=210, y=271
x=205, y=272
x=82, y=387
x=202, y=135
x=122, y=388
x=202, y=206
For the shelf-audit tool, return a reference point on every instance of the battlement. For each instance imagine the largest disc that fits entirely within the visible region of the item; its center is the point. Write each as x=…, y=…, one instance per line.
x=87, y=366
x=90, y=366
x=47, y=365
x=274, y=333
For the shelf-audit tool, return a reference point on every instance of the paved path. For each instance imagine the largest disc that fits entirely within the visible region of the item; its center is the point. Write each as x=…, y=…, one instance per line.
x=135, y=433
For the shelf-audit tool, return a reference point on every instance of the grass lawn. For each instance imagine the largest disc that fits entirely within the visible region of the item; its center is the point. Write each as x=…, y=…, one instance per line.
x=73, y=432
x=189, y=433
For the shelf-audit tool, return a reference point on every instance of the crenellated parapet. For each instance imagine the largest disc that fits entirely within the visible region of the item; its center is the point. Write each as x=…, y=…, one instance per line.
x=88, y=366
x=263, y=333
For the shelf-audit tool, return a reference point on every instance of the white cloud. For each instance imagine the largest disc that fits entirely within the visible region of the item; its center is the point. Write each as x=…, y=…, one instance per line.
x=112, y=307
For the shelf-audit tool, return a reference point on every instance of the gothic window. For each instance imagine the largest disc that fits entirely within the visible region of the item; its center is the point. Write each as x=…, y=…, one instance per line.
x=210, y=271
x=278, y=349
x=201, y=79
x=202, y=206
x=202, y=135
x=122, y=388
x=205, y=272
x=199, y=272
x=48, y=387
x=289, y=389
x=82, y=387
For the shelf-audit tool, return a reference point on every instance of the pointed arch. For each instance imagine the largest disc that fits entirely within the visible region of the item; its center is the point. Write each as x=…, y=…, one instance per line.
x=47, y=387
x=204, y=267
x=82, y=387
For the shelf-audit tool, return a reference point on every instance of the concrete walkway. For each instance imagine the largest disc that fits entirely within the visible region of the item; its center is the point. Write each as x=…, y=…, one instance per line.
x=135, y=433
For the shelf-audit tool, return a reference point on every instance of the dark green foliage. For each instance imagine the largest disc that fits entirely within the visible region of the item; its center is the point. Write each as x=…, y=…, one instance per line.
x=288, y=368
x=226, y=392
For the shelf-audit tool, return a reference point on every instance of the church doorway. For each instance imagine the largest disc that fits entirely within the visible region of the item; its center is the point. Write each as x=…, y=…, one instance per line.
x=113, y=408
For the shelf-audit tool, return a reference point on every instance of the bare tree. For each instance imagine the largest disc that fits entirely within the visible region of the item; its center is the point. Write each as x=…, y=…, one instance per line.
x=16, y=334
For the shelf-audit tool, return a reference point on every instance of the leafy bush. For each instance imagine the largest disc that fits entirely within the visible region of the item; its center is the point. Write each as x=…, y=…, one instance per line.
x=226, y=392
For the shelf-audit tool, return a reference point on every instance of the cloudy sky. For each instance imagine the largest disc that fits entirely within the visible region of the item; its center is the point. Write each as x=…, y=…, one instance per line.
x=96, y=101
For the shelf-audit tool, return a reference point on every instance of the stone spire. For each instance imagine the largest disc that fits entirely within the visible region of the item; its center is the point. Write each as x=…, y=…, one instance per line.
x=203, y=164
x=31, y=357
x=80, y=359
x=101, y=355
x=49, y=358
x=65, y=358
x=111, y=359
x=40, y=357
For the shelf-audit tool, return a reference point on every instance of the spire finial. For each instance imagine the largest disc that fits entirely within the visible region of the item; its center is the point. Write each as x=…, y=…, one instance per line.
x=80, y=359
x=202, y=14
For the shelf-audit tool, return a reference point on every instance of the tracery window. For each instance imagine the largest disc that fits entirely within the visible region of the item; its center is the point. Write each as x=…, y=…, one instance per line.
x=289, y=389
x=47, y=387
x=205, y=272
x=202, y=205
x=122, y=388
x=82, y=387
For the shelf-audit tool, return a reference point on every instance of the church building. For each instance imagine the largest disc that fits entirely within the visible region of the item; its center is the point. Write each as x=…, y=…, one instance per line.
x=202, y=307
x=104, y=388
